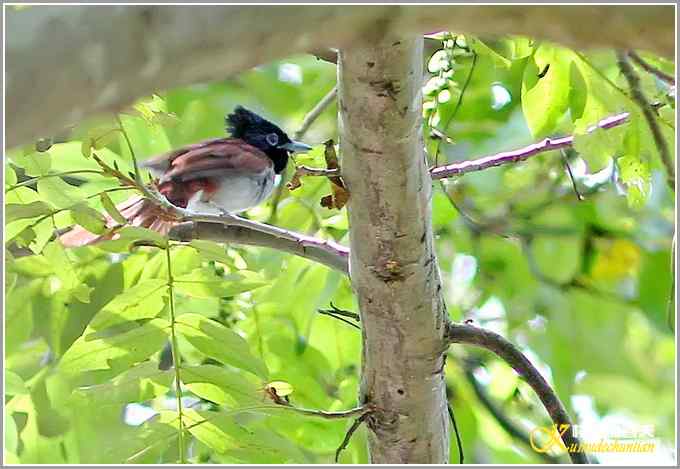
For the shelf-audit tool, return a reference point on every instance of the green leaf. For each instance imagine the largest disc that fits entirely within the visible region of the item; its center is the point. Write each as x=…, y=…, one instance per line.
x=144, y=300
x=34, y=164
x=129, y=236
x=95, y=351
x=11, y=436
x=655, y=285
x=86, y=147
x=204, y=283
x=578, y=92
x=111, y=208
x=224, y=434
x=282, y=388
x=55, y=253
x=59, y=193
x=498, y=60
x=220, y=385
x=631, y=395
x=557, y=257
x=545, y=99
x=35, y=209
x=211, y=251
x=10, y=176
x=443, y=213
x=599, y=146
x=50, y=422
x=102, y=136
x=68, y=156
x=141, y=383
x=219, y=342
x=14, y=385
x=636, y=177
x=88, y=218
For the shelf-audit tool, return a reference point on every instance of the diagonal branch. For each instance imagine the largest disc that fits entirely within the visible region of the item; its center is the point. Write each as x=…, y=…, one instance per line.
x=647, y=111
x=514, y=156
x=328, y=253
x=498, y=159
x=316, y=111
x=473, y=335
x=649, y=68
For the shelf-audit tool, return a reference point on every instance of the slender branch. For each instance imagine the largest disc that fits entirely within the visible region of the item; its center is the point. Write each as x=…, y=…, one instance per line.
x=175, y=357
x=459, y=443
x=30, y=181
x=649, y=68
x=340, y=315
x=514, y=156
x=503, y=420
x=316, y=111
x=639, y=98
x=329, y=253
x=348, y=436
x=138, y=177
x=472, y=335
x=342, y=414
x=303, y=170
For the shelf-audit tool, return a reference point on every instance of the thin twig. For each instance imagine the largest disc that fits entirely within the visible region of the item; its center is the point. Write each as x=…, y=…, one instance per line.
x=646, y=66
x=338, y=314
x=175, y=356
x=30, y=181
x=514, y=156
x=579, y=196
x=459, y=443
x=473, y=335
x=316, y=111
x=138, y=176
x=303, y=170
x=647, y=111
x=355, y=426
x=343, y=414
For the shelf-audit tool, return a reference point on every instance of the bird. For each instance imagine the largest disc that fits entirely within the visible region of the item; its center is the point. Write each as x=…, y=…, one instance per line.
x=220, y=176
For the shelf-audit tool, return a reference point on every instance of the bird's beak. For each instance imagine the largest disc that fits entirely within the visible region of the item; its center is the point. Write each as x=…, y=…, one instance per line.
x=296, y=147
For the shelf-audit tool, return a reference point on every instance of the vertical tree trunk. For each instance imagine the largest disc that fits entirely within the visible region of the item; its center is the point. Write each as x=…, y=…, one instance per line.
x=393, y=267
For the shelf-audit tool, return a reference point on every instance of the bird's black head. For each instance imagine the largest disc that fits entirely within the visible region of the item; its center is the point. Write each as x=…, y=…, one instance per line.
x=261, y=133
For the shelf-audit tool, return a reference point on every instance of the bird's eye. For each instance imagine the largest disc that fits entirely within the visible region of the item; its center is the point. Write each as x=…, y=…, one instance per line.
x=272, y=139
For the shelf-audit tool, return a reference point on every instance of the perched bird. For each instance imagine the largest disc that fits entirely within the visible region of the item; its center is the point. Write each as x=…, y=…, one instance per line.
x=223, y=175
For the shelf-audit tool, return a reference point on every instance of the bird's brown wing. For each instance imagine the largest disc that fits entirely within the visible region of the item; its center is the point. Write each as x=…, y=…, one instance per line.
x=211, y=157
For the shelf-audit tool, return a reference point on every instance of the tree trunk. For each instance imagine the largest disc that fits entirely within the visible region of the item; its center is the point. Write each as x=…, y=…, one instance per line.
x=393, y=268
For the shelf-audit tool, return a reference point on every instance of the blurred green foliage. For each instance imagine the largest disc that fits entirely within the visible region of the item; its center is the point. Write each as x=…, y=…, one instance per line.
x=581, y=286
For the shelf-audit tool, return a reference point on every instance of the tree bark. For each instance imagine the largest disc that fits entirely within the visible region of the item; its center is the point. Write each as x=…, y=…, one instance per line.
x=66, y=63
x=393, y=268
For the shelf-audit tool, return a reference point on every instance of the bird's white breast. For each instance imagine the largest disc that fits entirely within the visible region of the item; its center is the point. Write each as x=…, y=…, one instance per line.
x=236, y=193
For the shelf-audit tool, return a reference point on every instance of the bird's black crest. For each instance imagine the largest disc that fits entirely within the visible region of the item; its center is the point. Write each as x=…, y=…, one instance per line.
x=242, y=122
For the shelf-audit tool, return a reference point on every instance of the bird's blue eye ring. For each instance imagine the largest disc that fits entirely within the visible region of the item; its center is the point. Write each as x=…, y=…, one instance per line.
x=272, y=139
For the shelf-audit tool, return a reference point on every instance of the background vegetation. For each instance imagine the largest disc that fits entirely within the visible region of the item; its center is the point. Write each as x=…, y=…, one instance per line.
x=581, y=285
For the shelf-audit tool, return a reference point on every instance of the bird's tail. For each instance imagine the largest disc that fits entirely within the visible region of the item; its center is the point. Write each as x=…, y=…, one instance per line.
x=137, y=210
